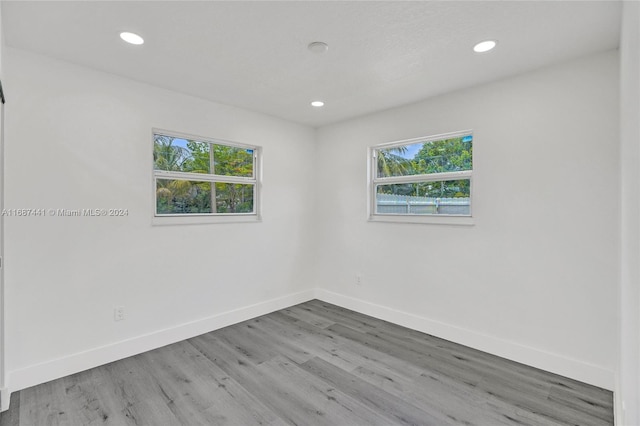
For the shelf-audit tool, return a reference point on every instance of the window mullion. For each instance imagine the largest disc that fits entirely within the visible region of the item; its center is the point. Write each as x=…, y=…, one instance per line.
x=212, y=170
x=202, y=177
x=434, y=177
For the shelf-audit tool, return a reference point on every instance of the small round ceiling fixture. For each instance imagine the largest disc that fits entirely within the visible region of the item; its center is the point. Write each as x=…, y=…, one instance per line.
x=317, y=104
x=131, y=38
x=484, y=46
x=318, y=47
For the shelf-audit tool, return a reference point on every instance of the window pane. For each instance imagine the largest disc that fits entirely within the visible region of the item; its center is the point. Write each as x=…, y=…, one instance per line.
x=233, y=161
x=431, y=198
x=181, y=155
x=234, y=198
x=175, y=196
x=447, y=155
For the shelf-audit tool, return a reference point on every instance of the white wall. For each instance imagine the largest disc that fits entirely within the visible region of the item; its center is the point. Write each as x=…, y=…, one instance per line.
x=629, y=373
x=77, y=138
x=535, y=278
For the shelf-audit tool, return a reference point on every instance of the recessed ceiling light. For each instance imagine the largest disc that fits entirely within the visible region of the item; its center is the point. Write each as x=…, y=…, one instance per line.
x=484, y=46
x=131, y=38
x=318, y=47
x=317, y=104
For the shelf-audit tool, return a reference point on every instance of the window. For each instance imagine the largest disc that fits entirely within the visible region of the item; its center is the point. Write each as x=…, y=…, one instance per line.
x=422, y=178
x=198, y=177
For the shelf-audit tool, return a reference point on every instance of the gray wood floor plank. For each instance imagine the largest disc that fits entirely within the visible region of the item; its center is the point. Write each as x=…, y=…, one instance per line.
x=397, y=410
x=286, y=341
x=454, y=402
x=333, y=406
x=135, y=392
x=492, y=364
x=422, y=361
x=595, y=407
x=312, y=364
x=44, y=404
x=489, y=368
x=296, y=396
x=180, y=393
x=262, y=343
x=336, y=349
x=200, y=393
x=343, y=316
x=303, y=313
x=255, y=346
x=111, y=397
x=523, y=397
x=87, y=402
x=315, y=342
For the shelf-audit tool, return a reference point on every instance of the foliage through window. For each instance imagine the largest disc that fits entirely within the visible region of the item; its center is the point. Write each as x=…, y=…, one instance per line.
x=426, y=176
x=193, y=176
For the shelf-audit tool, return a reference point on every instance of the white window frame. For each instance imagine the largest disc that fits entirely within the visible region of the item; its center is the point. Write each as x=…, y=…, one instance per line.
x=374, y=181
x=204, y=218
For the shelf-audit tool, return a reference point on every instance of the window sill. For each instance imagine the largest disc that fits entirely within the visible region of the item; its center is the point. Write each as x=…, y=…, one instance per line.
x=204, y=219
x=432, y=220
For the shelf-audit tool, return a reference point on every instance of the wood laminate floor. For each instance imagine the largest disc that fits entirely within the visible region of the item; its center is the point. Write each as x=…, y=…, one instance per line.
x=312, y=364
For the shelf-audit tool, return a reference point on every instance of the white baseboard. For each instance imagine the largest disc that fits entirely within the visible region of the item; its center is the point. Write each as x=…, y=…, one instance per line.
x=618, y=412
x=558, y=364
x=74, y=363
x=5, y=397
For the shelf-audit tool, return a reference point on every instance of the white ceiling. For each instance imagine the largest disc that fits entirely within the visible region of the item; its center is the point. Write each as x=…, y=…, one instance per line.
x=254, y=54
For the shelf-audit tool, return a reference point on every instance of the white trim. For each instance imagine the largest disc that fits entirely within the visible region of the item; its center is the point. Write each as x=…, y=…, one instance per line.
x=618, y=409
x=5, y=399
x=431, y=138
x=4, y=393
x=423, y=219
x=431, y=177
x=558, y=364
x=203, y=177
x=61, y=367
x=203, y=219
x=198, y=138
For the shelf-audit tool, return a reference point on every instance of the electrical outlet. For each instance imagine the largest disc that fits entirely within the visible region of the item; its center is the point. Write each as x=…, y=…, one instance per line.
x=358, y=279
x=118, y=313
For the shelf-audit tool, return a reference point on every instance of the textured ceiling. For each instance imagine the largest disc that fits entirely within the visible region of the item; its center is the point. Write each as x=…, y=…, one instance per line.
x=254, y=54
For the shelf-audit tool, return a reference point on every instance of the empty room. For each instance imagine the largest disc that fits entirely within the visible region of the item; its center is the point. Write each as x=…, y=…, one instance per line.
x=320, y=213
